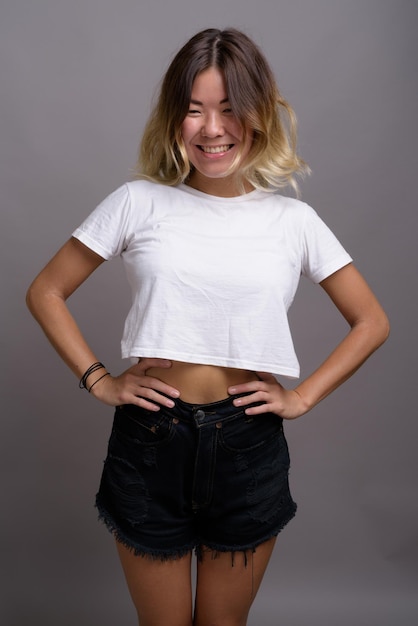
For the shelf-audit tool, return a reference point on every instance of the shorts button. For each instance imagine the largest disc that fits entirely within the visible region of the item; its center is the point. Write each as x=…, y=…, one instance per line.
x=218, y=425
x=200, y=415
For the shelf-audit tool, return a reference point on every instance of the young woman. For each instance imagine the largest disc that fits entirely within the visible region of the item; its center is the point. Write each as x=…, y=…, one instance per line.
x=197, y=458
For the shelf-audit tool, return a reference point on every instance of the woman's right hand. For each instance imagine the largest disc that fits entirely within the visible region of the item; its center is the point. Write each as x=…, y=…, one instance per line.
x=134, y=387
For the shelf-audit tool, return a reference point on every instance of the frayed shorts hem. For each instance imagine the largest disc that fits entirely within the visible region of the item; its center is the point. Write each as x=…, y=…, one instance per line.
x=136, y=548
x=198, y=547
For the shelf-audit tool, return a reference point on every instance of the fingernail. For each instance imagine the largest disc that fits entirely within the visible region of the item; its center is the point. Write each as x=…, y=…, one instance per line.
x=237, y=402
x=232, y=390
x=170, y=404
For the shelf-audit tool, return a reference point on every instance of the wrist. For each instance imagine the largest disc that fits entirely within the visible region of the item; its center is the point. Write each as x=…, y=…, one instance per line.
x=92, y=376
x=97, y=380
x=303, y=402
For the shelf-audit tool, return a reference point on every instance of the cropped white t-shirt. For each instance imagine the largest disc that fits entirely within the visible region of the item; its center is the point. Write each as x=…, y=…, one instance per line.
x=212, y=278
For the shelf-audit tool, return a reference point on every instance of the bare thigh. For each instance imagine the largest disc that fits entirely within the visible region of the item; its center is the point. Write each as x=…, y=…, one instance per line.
x=161, y=590
x=225, y=592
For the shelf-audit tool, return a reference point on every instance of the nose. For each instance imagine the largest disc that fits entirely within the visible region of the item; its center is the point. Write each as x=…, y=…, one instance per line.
x=212, y=126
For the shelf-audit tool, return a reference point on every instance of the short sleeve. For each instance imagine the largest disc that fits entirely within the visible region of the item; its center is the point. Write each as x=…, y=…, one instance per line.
x=104, y=230
x=323, y=254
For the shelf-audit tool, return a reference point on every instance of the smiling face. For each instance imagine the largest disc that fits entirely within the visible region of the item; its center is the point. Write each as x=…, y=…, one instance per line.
x=213, y=137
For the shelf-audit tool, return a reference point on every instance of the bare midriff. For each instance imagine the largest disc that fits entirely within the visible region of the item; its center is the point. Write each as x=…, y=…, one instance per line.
x=200, y=384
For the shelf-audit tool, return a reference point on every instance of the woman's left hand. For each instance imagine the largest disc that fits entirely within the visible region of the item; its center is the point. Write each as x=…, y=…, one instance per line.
x=286, y=403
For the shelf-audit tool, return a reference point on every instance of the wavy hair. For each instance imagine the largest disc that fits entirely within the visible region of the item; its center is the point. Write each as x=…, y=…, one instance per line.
x=272, y=161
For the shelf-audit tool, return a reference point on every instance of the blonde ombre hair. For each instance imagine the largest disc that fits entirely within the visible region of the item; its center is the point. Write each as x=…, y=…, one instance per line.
x=255, y=100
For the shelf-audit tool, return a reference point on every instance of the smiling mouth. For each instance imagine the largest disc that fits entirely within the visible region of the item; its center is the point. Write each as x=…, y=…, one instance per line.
x=216, y=149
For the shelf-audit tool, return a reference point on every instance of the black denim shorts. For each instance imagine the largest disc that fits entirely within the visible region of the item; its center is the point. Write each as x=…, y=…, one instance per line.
x=195, y=475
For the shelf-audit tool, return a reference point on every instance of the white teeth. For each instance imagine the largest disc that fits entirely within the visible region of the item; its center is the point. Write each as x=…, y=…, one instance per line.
x=214, y=149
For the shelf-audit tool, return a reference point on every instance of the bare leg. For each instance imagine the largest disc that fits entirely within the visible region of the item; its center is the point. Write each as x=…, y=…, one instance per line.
x=225, y=592
x=160, y=590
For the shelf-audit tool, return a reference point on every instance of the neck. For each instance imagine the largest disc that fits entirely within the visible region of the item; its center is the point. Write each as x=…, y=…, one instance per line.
x=227, y=187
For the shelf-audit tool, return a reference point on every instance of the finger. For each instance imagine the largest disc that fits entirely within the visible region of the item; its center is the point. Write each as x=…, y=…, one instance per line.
x=257, y=396
x=252, y=386
x=145, y=404
x=157, y=385
x=164, y=397
x=259, y=409
x=150, y=402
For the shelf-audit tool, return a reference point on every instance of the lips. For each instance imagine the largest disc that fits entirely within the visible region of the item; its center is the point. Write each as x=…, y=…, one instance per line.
x=215, y=149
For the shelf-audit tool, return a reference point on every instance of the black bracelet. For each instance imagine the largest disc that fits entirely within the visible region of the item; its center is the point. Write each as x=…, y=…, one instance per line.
x=93, y=368
x=96, y=381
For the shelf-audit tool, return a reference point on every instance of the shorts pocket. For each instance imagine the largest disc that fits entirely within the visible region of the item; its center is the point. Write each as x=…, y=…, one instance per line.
x=141, y=426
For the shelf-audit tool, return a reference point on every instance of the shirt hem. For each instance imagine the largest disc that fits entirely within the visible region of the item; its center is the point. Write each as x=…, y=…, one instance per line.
x=331, y=268
x=90, y=243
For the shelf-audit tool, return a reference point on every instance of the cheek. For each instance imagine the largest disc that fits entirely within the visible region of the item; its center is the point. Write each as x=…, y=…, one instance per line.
x=238, y=132
x=188, y=130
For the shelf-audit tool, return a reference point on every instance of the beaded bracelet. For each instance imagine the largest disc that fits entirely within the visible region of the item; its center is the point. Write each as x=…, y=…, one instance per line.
x=93, y=368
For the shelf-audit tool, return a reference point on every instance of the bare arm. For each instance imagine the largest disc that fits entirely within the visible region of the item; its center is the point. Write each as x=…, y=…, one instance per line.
x=46, y=299
x=369, y=328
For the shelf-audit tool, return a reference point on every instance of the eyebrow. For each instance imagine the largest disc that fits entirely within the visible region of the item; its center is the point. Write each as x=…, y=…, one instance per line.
x=201, y=103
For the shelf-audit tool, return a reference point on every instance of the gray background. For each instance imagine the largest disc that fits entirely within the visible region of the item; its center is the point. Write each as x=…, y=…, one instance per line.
x=77, y=80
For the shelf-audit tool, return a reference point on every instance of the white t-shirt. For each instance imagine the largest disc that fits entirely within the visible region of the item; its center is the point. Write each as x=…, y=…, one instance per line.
x=212, y=278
